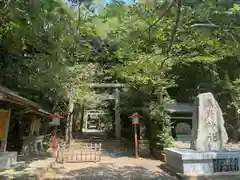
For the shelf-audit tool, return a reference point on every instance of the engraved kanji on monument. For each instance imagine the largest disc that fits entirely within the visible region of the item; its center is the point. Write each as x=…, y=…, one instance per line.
x=208, y=133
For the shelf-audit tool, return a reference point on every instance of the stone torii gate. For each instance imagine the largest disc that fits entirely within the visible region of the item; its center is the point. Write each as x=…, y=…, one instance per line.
x=116, y=87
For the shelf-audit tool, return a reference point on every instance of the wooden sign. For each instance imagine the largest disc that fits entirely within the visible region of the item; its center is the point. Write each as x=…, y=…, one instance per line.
x=4, y=116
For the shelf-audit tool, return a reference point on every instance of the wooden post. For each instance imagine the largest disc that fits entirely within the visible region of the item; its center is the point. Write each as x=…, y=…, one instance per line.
x=6, y=126
x=100, y=151
x=91, y=153
x=62, y=152
x=32, y=128
x=117, y=115
x=95, y=152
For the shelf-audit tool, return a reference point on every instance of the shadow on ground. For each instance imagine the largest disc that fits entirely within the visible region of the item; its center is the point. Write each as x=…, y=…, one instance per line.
x=108, y=171
x=31, y=158
x=164, y=168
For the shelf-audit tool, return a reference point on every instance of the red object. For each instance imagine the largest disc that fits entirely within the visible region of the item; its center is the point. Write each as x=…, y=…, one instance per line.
x=56, y=116
x=136, y=140
x=54, y=146
x=135, y=115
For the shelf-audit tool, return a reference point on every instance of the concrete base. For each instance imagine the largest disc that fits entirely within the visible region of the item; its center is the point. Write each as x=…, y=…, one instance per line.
x=188, y=161
x=215, y=176
x=7, y=159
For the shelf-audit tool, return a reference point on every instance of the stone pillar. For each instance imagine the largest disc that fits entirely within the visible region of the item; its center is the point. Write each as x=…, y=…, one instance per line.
x=117, y=115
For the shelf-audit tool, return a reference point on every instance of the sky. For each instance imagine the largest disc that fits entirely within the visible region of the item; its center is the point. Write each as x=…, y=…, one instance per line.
x=126, y=1
x=108, y=1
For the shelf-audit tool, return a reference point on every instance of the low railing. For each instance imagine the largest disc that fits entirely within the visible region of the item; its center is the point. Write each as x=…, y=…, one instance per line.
x=89, y=152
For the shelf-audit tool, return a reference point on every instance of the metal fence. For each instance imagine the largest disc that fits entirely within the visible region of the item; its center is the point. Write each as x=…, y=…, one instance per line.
x=89, y=152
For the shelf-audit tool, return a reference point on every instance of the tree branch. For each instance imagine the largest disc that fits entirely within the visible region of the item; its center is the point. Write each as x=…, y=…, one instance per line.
x=78, y=22
x=174, y=31
x=211, y=25
x=204, y=25
x=175, y=28
x=163, y=14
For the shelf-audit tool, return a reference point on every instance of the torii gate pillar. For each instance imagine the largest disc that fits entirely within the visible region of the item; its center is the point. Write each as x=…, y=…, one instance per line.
x=117, y=115
x=115, y=86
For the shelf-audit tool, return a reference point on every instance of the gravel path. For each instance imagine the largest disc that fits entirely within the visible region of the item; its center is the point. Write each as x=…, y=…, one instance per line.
x=124, y=168
x=115, y=167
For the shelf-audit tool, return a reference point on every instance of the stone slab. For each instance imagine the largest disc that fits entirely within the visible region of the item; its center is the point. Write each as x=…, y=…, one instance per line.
x=189, y=161
x=7, y=159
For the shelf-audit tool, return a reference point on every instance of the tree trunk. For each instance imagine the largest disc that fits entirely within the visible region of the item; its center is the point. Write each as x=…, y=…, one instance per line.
x=70, y=129
x=67, y=128
x=76, y=113
x=82, y=116
x=68, y=133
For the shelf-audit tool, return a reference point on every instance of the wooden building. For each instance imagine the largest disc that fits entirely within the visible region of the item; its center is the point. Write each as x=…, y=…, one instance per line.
x=12, y=107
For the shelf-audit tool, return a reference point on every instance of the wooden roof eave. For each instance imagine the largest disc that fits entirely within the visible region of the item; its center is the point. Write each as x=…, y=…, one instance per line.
x=9, y=96
x=39, y=112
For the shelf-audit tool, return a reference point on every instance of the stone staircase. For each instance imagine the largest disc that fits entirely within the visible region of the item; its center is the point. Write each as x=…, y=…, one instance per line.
x=110, y=148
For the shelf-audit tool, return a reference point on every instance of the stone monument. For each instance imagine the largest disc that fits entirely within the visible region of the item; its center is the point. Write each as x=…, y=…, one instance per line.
x=208, y=133
x=208, y=153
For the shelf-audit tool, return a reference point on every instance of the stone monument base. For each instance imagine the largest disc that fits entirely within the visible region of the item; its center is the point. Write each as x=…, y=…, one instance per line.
x=191, y=162
x=7, y=159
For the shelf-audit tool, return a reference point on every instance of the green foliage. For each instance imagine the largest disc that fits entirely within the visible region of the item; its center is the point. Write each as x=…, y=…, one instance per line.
x=161, y=127
x=162, y=49
x=45, y=42
x=154, y=43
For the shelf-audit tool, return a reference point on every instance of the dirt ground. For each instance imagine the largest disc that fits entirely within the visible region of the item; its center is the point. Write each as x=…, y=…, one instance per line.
x=114, y=164
x=123, y=168
x=114, y=167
